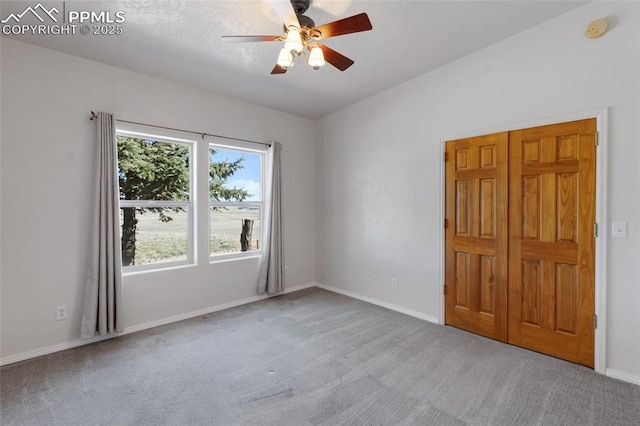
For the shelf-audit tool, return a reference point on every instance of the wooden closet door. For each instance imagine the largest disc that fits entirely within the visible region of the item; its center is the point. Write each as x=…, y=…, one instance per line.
x=551, y=239
x=476, y=235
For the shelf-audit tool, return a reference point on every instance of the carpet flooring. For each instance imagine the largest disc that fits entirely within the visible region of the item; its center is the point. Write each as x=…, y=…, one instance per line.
x=309, y=358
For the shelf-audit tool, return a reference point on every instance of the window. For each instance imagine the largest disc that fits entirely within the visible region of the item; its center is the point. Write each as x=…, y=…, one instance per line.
x=235, y=201
x=167, y=180
x=156, y=200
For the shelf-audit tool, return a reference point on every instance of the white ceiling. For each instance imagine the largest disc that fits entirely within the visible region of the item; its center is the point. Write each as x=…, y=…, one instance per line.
x=181, y=41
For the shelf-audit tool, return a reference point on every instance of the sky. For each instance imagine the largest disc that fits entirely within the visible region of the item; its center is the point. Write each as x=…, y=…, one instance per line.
x=248, y=177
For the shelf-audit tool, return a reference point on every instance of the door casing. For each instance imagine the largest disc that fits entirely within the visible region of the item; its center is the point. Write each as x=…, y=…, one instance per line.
x=601, y=116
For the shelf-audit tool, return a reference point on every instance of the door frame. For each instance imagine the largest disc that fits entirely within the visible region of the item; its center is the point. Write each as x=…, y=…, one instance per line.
x=601, y=243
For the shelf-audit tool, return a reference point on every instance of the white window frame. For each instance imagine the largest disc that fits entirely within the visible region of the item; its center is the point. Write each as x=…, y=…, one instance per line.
x=189, y=205
x=214, y=258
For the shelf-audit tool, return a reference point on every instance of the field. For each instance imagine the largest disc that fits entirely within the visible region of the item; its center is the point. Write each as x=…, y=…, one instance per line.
x=158, y=241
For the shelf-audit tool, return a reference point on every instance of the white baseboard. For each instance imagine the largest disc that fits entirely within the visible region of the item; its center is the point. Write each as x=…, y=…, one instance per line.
x=373, y=301
x=626, y=377
x=23, y=356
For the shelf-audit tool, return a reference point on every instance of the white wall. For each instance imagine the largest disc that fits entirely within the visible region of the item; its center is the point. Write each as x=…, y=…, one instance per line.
x=380, y=161
x=47, y=159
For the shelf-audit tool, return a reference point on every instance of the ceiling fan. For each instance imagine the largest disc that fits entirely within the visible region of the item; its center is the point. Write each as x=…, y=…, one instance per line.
x=302, y=34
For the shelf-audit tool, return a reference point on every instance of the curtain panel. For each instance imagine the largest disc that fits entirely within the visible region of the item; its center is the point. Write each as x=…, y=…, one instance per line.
x=102, y=309
x=271, y=268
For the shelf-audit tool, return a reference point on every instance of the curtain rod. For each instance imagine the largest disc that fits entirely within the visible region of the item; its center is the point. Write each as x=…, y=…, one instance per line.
x=203, y=134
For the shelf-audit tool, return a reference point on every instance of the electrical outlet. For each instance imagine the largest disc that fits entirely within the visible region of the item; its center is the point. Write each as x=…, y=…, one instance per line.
x=369, y=276
x=286, y=270
x=394, y=283
x=62, y=313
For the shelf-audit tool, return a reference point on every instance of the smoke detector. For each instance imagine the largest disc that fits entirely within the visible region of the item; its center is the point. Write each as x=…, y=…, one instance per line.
x=597, y=28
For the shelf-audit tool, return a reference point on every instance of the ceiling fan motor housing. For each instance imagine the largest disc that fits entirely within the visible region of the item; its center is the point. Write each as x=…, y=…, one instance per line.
x=305, y=21
x=300, y=6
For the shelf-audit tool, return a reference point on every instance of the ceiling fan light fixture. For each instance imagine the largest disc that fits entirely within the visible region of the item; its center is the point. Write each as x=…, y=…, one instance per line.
x=302, y=37
x=293, y=43
x=285, y=58
x=316, y=58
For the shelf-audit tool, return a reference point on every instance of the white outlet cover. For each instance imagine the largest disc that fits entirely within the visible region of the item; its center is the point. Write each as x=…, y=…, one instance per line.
x=619, y=230
x=62, y=313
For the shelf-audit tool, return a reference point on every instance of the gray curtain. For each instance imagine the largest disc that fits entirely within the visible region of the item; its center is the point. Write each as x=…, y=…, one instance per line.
x=102, y=310
x=271, y=269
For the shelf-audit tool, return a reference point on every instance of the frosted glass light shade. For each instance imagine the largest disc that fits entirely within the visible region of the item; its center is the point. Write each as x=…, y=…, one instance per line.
x=293, y=43
x=285, y=59
x=316, y=58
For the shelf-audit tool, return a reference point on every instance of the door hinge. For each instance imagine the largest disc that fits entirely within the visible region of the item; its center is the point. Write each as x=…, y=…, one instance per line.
x=595, y=322
x=446, y=157
x=595, y=230
x=444, y=289
x=446, y=224
x=597, y=138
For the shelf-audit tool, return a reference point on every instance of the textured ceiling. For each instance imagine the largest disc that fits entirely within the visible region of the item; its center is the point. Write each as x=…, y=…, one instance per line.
x=181, y=41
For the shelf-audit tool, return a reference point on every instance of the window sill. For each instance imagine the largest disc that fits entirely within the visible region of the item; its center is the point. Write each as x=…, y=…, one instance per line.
x=157, y=268
x=222, y=258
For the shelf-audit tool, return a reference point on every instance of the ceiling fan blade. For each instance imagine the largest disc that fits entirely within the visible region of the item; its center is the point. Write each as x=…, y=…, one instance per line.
x=336, y=59
x=251, y=38
x=352, y=24
x=285, y=11
x=278, y=70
